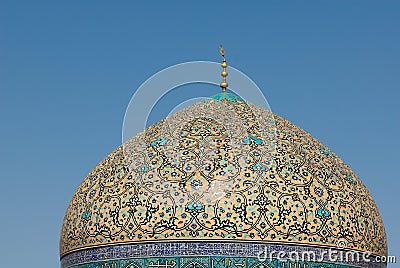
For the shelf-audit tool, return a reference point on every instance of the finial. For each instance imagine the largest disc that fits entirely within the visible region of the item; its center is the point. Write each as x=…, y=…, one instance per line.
x=224, y=73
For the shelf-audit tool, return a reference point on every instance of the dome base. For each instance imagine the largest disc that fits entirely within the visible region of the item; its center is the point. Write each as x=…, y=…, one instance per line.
x=215, y=255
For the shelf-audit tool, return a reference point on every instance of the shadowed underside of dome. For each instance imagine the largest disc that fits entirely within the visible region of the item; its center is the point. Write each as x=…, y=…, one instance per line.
x=223, y=170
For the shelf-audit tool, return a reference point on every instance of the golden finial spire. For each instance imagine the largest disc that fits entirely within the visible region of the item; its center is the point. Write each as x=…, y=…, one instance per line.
x=224, y=73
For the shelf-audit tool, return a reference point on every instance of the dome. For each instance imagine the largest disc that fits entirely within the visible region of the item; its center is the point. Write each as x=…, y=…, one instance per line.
x=216, y=182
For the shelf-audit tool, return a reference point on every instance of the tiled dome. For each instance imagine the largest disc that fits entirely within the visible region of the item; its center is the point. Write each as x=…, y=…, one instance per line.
x=219, y=179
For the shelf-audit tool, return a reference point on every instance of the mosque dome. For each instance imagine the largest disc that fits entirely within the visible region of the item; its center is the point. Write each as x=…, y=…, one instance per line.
x=213, y=185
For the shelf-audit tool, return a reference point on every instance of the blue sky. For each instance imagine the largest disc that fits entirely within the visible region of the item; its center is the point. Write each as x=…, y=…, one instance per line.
x=68, y=70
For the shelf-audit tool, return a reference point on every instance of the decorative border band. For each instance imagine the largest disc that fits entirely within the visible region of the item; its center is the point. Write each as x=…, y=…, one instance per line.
x=164, y=250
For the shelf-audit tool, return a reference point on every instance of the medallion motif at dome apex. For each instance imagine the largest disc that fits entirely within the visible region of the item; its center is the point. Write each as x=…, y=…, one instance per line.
x=223, y=169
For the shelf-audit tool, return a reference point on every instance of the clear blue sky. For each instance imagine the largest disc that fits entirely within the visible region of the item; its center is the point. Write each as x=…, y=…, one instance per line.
x=69, y=68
